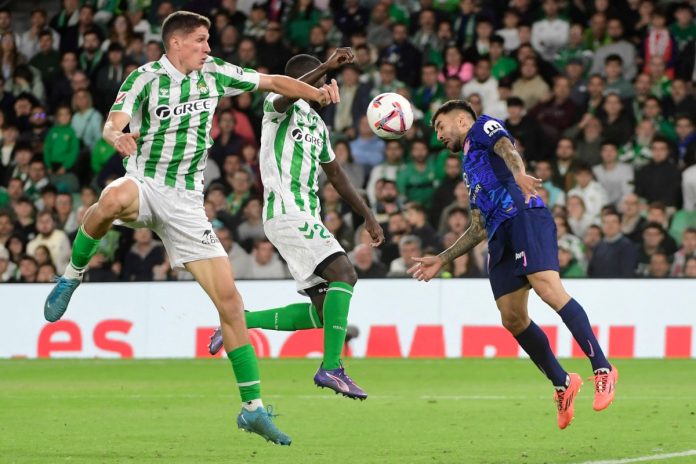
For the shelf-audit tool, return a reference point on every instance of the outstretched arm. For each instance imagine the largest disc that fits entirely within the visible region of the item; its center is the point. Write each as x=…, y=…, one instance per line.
x=507, y=151
x=293, y=88
x=339, y=57
x=338, y=178
x=426, y=268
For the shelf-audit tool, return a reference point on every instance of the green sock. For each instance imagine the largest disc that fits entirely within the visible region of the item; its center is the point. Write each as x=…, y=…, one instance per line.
x=84, y=247
x=336, y=305
x=296, y=316
x=246, y=371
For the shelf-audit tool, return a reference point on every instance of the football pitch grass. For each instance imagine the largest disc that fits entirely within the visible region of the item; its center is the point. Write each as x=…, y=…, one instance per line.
x=419, y=411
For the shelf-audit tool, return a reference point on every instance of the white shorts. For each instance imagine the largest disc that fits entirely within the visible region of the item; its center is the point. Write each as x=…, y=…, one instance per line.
x=304, y=243
x=178, y=217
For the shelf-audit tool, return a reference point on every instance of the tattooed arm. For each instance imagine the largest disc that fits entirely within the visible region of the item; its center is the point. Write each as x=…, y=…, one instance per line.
x=507, y=151
x=428, y=267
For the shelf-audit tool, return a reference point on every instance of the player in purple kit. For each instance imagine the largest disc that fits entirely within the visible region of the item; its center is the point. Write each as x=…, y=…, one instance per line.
x=522, y=249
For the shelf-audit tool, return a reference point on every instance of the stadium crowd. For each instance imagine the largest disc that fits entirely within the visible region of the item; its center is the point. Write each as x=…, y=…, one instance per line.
x=597, y=94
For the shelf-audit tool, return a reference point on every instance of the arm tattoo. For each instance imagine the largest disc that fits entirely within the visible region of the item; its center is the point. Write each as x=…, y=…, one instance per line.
x=506, y=150
x=469, y=239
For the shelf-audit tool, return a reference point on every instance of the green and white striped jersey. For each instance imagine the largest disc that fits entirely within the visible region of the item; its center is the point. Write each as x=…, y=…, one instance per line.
x=292, y=146
x=173, y=113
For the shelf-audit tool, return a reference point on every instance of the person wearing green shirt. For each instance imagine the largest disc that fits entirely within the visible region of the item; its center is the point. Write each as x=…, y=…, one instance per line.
x=302, y=18
x=430, y=90
x=652, y=110
x=683, y=29
x=101, y=153
x=62, y=145
x=417, y=180
x=568, y=264
x=501, y=65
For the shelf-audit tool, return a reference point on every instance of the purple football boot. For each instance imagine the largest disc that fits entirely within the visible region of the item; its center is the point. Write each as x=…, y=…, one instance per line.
x=215, y=342
x=338, y=381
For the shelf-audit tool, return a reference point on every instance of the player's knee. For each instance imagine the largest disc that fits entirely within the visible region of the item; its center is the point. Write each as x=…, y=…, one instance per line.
x=514, y=323
x=547, y=294
x=110, y=204
x=350, y=276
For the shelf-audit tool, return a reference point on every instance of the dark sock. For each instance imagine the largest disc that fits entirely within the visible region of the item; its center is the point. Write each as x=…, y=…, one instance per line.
x=534, y=342
x=575, y=318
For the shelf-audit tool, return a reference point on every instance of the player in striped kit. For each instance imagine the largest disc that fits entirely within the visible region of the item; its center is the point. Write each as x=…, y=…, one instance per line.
x=294, y=144
x=169, y=105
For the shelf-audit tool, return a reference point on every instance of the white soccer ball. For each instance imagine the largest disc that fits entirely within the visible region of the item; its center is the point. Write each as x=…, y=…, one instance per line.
x=390, y=115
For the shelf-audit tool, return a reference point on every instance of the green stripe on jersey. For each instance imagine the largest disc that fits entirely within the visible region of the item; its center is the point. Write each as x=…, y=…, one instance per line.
x=278, y=149
x=201, y=139
x=296, y=171
x=181, y=137
x=231, y=82
x=312, y=172
x=158, y=137
x=126, y=87
x=145, y=124
x=270, y=204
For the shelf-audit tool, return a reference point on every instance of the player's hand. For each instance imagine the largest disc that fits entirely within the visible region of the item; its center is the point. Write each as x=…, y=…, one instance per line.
x=125, y=143
x=426, y=268
x=528, y=184
x=328, y=94
x=339, y=57
x=375, y=230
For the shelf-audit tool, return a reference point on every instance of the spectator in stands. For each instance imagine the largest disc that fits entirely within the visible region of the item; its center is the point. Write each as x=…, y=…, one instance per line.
x=404, y=55
x=425, y=38
x=37, y=179
x=525, y=130
x=455, y=66
x=418, y=220
x=60, y=92
x=6, y=226
x=228, y=142
x=558, y=113
x=616, y=178
x=251, y=228
x=632, y=221
x=617, y=124
x=27, y=270
x=596, y=35
x=265, y=263
x=42, y=255
x=62, y=144
x=564, y=164
x=417, y=181
x=578, y=217
x=355, y=97
x=686, y=252
x=368, y=149
x=569, y=266
x=502, y=66
x=143, y=256
x=680, y=100
x=658, y=42
x=686, y=140
x=409, y=248
x=530, y=86
x=389, y=169
x=385, y=80
x=595, y=94
x=690, y=268
x=272, y=53
x=509, y=31
x=615, y=256
x=619, y=46
x=550, y=34
x=660, y=179
x=87, y=122
x=46, y=59
x=652, y=110
x=365, y=265
x=237, y=255
x=24, y=220
x=659, y=266
x=92, y=55
x=653, y=238
x=572, y=242
x=444, y=194
x=344, y=234
x=387, y=201
x=615, y=80
x=66, y=217
x=54, y=239
x=483, y=84
x=109, y=76
x=7, y=267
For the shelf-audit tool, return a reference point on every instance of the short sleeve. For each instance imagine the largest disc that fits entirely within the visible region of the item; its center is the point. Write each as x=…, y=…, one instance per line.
x=327, y=154
x=235, y=80
x=131, y=94
x=489, y=130
x=269, y=109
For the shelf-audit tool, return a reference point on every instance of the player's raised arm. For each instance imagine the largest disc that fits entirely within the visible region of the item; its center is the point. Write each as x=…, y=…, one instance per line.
x=338, y=58
x=345, y=189
x=292, y=88
x=506, y=150
x=426, y=268
x=113, y=133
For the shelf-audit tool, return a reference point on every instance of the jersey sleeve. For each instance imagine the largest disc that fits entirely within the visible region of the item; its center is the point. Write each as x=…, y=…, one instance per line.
x=487, y=131
x=268, y=108
x=233, y=79
x=131, y=94
x=327, y=154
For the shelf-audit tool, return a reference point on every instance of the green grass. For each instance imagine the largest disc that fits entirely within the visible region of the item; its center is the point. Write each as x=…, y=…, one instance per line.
x=419, y=411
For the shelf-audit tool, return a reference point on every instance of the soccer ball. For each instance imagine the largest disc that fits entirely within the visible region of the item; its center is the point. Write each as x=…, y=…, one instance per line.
x=390, y=115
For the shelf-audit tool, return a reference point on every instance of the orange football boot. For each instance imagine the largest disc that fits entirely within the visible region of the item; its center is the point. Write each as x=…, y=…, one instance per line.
x=605, y=386
x=565, y=400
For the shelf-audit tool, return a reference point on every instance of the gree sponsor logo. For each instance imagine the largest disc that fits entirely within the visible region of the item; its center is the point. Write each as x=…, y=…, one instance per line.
x=298, y=135
x=191, y=108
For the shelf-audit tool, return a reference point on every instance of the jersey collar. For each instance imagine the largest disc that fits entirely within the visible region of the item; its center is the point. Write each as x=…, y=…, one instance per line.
x=176, y=75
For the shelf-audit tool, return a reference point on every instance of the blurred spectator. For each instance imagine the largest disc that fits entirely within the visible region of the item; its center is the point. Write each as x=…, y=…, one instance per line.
x=686, y=140
x=592, y=193
x=227, y=48
x=619, y=46
x=431, y=90
x=271, y=51
x=564, y=164
x=241, y=191
x=29, y=40
x=544, y=171
x=367, y=149
x=637, y=151
x=578, y=217
x=618, y=126
x=355, y=97
x=37, y=179
x=615, y=256
x=652, y=110
x=352, y=18
x=680, y=100
x=387, y=200
x=365, y=265
x=569, y=266
x=455, y=66
x=596, y=35
x=660, y=179
x=251, y=228
x=572, y=242
x=509, y=31
x=550, y=34
x=62, y=144
x=444, y=194
x=418, y=220
x=6, y=227
x=265, y=263
x=409, y=248
x=615, y=177
x=121, y=33
x=558, y=113
x=659, y=266
x=92, y=55
x=228, y=142
x=237, y=255
x=658, y=42
x=67, y=219
x=54, y=239
x=46, y=273
x=143, y=256
x=686, y=252
x=385, y=80
x=653, y=238
x=27, y=270
x=7, y=267
x=108, y=78
x=379, y=33
x=42, y=255
x=525, y=130
x=46, y=59
x=418, y=180
x=483, y=84
x=530, y=87
x=333, y=221
x=24, y=219
x=86, y=121
x=615, y=81
x=344, y=157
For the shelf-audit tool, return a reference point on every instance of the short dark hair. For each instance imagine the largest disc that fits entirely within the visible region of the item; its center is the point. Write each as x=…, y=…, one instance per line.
x=615, y=58
x=515, y=101
x=415, y=206
x=300, y=65
x=45, y=33
x=454, y=105
x=185, y=21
